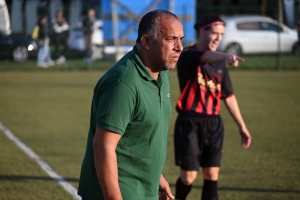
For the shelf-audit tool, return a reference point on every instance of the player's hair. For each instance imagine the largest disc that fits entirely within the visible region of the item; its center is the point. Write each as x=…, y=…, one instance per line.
x=149, y=24
x=206, y=20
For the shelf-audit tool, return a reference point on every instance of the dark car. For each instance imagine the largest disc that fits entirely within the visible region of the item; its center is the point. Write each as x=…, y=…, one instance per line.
x=18, y=47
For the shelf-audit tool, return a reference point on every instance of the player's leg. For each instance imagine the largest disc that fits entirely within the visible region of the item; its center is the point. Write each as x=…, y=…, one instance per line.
x=184, y=184
x=212, y=141
x=186, y=154
x=210, y=183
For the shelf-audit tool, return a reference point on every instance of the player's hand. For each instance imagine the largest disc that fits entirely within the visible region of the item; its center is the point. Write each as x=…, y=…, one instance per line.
x=164, y=192
x=233, y=60
x=245, y=137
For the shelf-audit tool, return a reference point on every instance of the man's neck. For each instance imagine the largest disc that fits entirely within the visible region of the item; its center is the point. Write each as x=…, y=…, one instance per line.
x=147, y=62
x=154, y=75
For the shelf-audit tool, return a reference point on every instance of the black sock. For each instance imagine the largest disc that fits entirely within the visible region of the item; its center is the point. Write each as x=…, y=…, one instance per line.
x=210, y=190
x=182, y=190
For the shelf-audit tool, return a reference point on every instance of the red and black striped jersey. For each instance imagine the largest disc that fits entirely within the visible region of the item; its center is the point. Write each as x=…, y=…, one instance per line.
x=202, y=85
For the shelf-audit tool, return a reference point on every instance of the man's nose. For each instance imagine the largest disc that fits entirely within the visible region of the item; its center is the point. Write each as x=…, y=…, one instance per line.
x=179, y=46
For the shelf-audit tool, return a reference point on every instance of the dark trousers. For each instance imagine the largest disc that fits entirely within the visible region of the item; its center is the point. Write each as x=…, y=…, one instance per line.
x=60, y=39
x=88, y=45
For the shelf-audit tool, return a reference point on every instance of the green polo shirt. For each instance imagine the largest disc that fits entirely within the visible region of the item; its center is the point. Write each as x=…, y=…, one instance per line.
x=128, y=101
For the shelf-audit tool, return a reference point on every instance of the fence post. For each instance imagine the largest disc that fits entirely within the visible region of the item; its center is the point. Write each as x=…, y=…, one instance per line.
x=279, y=13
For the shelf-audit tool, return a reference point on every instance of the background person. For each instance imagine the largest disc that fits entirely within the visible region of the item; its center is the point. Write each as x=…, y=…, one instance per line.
x=61, y=28
x=199, y=128
x=44, y=56
x=88, y=30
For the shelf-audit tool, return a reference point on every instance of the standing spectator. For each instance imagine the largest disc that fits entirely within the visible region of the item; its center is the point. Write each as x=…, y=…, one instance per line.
x=44, y=57
x=88, y=30
x=60, y=27
x=199, y=128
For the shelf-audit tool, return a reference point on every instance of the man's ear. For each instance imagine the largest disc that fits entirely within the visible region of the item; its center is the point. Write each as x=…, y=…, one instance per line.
x=146, y=40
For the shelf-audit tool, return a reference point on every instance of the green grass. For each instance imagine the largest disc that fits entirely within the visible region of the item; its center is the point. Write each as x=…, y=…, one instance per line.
x=75, y=63
x=48, y=109
x=70, y=65
x=271, y=62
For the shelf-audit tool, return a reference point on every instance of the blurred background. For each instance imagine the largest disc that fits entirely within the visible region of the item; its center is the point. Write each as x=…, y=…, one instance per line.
x=268, y=27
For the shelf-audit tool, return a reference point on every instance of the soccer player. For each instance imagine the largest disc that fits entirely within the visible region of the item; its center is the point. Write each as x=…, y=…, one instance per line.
x=199, y=128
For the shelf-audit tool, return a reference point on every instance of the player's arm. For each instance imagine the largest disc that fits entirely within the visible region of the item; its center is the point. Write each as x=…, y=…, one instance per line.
x=213, y=56
x=104, y=145
x=233, y=107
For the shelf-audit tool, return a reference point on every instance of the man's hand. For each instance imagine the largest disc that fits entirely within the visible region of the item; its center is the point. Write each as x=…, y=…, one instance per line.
x=245, y=137
x=233, y=60
x=164, y=192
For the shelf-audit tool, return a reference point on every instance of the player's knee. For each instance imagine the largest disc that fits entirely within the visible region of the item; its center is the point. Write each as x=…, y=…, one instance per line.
x=188, y=178
x=188, y=181
x=211, y=174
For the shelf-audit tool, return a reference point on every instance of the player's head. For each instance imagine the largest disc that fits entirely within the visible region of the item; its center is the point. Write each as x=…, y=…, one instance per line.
x=211, y=30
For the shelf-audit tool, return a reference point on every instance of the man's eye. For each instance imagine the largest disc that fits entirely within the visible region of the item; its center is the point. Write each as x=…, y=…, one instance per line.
x=171, y=39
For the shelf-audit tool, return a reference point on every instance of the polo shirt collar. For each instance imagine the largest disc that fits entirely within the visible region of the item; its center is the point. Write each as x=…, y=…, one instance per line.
x=142, y=68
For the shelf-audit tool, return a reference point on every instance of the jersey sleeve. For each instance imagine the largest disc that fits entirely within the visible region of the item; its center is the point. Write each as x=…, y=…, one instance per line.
x=227, y=89
x=116, y=107
x=190, y=58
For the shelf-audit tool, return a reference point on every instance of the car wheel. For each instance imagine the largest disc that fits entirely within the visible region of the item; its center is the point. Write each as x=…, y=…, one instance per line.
x=296, y=49
x=234, y=49
x=20, y=53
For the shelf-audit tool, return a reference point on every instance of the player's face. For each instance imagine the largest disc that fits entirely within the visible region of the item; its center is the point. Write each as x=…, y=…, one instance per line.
x=213, y=37
x=166, y=49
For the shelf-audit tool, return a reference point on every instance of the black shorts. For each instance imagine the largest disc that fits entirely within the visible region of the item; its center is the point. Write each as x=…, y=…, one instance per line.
x=198, y=141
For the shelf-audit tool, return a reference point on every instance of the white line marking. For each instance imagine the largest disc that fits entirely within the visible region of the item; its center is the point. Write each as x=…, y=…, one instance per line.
x=44, y=165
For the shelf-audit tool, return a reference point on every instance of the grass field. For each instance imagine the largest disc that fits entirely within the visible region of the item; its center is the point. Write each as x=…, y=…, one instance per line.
x=256, y=62
x=49, y=111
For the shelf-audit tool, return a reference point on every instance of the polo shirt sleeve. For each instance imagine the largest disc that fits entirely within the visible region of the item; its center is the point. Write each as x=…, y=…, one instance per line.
x=227, y=89
x=116, y=107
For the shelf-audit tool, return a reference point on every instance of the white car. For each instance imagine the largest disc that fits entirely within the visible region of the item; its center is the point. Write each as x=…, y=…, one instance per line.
x=257, y=34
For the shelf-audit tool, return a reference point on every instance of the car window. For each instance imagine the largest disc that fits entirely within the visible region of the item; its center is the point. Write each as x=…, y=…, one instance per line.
x=266, y=26
x=248, y=26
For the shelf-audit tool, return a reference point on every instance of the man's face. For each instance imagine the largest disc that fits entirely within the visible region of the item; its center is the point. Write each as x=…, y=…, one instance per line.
x=59, y=15
x=91, y=13
x=166, y=49
x=212, y=37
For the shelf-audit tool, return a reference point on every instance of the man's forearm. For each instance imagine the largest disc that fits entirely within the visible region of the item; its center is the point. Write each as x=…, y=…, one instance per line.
x=107, y=172
x=104, y=145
